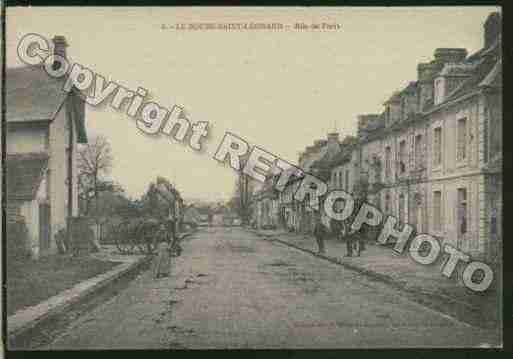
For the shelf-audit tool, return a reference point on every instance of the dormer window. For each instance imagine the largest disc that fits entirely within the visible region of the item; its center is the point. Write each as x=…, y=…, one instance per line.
x=439, y=90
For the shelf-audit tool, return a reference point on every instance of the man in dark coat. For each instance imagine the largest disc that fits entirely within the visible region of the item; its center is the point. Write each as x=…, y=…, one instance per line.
x=319, y=233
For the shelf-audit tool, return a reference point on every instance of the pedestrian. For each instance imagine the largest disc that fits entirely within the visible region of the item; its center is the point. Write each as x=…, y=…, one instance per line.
x=344, y=235
x=354, y=241
x=319, y=234
x=162, y=264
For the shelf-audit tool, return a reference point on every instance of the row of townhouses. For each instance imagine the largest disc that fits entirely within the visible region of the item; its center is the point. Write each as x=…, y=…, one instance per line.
x=432, y=158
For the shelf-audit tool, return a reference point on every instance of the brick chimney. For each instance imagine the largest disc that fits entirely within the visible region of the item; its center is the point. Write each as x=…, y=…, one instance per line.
x=333, y=142
x=59, y=48
x=333, y=137
x=309, y=150
x=425, y=75
x=319, y=144
x=450, y=55
x=363, y=122
x=59, y=45
x=492, y=28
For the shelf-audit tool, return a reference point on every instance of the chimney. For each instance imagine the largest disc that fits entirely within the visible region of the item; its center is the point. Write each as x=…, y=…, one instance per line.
x=333, y=137
x=425, y=76
x=59, y=48
x=319, y=143
x=362, y=125
x=450, y=55
x=309, y=150
x=333, y=142
x=492, y=28
x=59, y=45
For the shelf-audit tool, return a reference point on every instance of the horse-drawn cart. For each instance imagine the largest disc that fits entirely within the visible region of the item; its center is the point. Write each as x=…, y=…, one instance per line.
x=142, y=235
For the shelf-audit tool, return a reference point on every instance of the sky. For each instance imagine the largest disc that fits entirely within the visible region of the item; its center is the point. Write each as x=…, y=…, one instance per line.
x=279, y=90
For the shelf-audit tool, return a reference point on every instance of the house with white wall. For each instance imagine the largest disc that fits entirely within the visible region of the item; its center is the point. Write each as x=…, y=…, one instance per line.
x=46, y=123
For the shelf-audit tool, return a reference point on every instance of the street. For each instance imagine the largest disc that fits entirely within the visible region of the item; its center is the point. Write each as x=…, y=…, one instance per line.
x=232, y=289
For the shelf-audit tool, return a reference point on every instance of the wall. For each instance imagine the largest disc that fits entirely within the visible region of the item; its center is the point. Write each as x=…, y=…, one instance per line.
x=453, y=174
x=30, y=210
x=26, y=139
x=58, y=172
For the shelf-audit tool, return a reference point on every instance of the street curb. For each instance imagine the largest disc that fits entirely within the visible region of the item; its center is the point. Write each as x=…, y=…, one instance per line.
x=425, y=296
x=28, y=318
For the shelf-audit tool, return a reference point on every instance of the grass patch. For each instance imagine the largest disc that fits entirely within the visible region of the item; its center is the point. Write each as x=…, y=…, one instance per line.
x=31, y=282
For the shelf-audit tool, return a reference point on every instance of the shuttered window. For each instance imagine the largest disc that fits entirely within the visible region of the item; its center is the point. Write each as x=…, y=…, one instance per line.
x=402, y=156
x=437, y=146
x=388, y=162
x=402, y=209
x=418, y=151
x=437, y=211
x=462, y=208
x=461, y=139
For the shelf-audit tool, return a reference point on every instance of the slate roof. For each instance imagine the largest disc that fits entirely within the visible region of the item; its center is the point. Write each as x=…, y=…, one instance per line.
x=32, y=95
x=488, y=72
x=24, y=173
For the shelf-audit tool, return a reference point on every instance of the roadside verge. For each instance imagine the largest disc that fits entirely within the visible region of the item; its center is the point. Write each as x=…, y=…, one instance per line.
x=28, y=318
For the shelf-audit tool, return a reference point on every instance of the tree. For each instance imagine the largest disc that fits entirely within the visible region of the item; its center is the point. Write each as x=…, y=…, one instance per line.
x=94, y=163
x=162, y=199
x=241, y=200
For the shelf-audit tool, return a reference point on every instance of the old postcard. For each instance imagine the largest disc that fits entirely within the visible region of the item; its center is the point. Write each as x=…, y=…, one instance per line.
x=251, y=178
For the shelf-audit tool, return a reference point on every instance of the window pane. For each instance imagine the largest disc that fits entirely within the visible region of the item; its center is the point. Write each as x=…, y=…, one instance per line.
x=402, y=156
x=401, y=208
x=462, y=211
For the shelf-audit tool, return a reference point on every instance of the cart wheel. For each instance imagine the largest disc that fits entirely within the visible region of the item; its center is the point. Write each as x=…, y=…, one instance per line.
x=125, y=238
x=147, y=238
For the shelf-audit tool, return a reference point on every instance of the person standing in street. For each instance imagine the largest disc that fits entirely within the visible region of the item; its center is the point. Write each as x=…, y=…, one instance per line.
x=319, y=233
x=162, y=264
x=342, y=232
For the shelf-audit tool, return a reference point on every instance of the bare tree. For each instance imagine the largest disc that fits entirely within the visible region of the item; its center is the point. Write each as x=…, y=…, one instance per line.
x=94, y=163
x=242, y=197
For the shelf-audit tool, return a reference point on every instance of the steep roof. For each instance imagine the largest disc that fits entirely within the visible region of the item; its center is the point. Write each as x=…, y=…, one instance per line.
x=24, y=174
x=488, y=72
x=32, y=95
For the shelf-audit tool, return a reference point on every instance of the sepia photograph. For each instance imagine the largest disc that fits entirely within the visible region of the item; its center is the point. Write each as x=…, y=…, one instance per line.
x=180, y=178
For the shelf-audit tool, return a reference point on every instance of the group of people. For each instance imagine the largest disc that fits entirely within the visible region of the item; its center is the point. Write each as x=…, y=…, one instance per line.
x=354, y=242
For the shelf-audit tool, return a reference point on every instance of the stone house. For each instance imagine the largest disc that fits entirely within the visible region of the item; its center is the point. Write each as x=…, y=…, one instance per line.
x=433, y=158
x=45, y=124
x=266, y=205
x=298, y=216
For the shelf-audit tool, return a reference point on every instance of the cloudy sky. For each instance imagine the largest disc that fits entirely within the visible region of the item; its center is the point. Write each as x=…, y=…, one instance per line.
x=280, y=90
